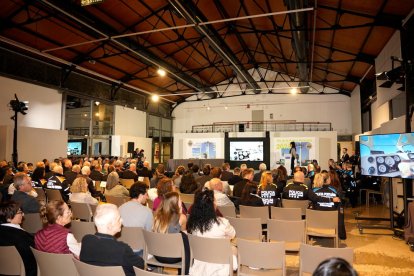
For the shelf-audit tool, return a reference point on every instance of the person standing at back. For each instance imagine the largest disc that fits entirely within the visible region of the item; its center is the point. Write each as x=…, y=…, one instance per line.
x=292, y=153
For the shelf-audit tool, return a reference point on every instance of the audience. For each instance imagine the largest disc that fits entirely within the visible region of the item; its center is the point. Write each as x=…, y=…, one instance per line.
x=80, y=193
x=11, y=234
x=220, y=197
x=103, y=249
x=188, y=184
x=249, y=196
x=55, y=237
x=113, y=187
x=164, y=186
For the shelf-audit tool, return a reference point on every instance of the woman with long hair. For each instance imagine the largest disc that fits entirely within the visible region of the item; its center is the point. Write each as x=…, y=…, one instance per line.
x=268, y=191
x=165, y=185
x=188, y=184
x=113, y=188
x=204, y=222
x=292, y=153
x=170, y=219
x=55, y=238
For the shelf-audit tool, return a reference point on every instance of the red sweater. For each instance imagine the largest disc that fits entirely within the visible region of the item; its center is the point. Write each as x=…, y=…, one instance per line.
x=52, y=239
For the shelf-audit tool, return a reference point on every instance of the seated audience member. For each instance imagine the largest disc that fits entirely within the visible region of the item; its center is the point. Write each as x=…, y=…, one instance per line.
x=299, y=191
x=80, y=193
x=50, y=168
x=170, y=219
x=239, y=186
x=159, y=174
x=195, y=170
x=204, y=222
x=135, y=213
x=71, y=175
x=249, y=196
x=145, y=171
x=311, y=172
x=38, y=177
x=86, y=171
x=201, y=180
x=235, y=177
x=23, y=186
x=323, y=189
x=7, y=174
x=220, y=197
x=188, y=184
x=268, y=191
x=58, y=182
x=55, y=237
x=257, y=176
x=178, y=175
x=164, y=186
x=67, y=165
x=102, y=249
x=334, y=266
x=96, y=174
x=131, y=173
x=225, y=172
x=113, y=187
x=11, y=234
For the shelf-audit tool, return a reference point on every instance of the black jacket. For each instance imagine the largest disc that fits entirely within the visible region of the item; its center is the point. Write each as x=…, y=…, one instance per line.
x=104, y=250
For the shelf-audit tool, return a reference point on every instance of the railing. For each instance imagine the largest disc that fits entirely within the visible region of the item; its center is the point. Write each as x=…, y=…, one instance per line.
x=251, y=126
x=82, y=131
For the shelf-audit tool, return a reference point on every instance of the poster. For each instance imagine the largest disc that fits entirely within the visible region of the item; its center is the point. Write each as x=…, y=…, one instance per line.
x=305, y=149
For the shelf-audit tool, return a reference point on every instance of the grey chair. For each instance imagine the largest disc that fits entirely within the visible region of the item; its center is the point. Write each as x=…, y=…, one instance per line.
x=82, y=211
x=52, y=264
x=322, y=224
x=292, y=232
x=247, y=228
x=133, y=236
x=291, y=203
x=10, y=261
x=85, y=269
x=32, y=223
x=81, y=228
x=286, y=213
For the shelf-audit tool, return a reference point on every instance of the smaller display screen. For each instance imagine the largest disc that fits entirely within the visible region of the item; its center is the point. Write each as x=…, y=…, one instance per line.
x=246, y=151
x=74, y=148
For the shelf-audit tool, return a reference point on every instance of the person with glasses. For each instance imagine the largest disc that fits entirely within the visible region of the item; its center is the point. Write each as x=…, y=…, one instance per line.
x=11, y=234
x=23, y=185
x=55, y=238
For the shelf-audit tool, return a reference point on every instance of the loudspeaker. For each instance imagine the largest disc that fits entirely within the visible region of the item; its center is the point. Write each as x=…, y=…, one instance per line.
x=241, y=127
x=131, y=146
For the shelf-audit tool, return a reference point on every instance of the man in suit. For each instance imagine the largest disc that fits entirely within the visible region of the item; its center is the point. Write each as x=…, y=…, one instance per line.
x=23, y=185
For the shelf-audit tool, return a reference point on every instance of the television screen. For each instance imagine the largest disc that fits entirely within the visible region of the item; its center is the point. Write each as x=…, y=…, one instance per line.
x=74, y=148
x=388, y=155
x=246, y=151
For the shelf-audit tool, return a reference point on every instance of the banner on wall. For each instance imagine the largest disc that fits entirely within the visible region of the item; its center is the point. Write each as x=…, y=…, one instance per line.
x=305, y=149
x=200, y=149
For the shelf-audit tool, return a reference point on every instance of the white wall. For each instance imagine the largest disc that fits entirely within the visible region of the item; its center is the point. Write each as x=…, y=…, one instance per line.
x=304, y=108
x=379, y=114
x=130, y=122
x=33, y=144
x=120, y=145
x=356, y=110
x=45, y=104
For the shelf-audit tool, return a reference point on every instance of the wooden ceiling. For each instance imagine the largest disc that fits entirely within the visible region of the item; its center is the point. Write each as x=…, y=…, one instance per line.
x=205, y=45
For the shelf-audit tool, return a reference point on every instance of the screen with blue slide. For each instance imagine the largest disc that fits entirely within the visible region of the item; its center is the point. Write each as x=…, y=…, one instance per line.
x=388, y=155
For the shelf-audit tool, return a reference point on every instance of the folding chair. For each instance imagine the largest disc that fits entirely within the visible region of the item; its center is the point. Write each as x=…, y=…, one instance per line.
x=292, y=232
x=286, y=213
x=85, y=269
x=10, y=262
x=291, y=203
x=82, y=211
x=247, y=228
x=52, y=264
x=322, y=224
x=32, y=223
x=81, y=228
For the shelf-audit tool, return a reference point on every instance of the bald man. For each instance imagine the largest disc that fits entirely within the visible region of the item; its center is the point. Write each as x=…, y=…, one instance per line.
x=299, y=191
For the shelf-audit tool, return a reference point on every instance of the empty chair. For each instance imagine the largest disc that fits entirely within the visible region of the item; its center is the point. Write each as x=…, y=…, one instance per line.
x=41, y=195
x=261, y=212
x=292, y=232
x=81, y=228
x=85, y=269
x=312, y=256
x=117, y=200
x=219, y=252
x=10, y=261
x=164, y=245
x=32, y=223
x=187, y=198
x=227, y=211
x=52, y=264
x=133, y=236
x=142, y=272
x=269, y=257
x=127, y=183
x=247, y=228
x=322, y=224
x=53, y=195
x=290, y=203
x=82, y=211
x=286, y=213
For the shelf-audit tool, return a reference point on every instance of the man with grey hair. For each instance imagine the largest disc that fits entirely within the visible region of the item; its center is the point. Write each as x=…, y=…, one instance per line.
x=145, y=171
x=103, y=249
x=58, y=182
x=86, y=171
x=23, y=185
x=70, y=176
x=131, y=173
x=220, y=197
x=257, y=176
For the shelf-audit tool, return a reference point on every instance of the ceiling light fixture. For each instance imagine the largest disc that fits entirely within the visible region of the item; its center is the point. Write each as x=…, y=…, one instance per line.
x=161, y=72
x=155, y=98
x=97, y=103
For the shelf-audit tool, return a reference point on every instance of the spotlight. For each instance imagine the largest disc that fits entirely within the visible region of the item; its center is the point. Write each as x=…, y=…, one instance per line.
x=155, y=98
x=161, y=72
x=97, y=103
x=19, y=106
x=293, y=91
x=97, y=114
x=225, y=107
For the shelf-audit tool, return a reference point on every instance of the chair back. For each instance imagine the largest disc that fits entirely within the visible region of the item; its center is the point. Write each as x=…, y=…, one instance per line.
x=10, y=261
x=311, y=256
x=85, y=269
x=81, y=228
x=292, y=232
x=81, y=210
x=286, y=213
x=141, y=272
x=227, y=211
x=32, y=223
x=164, y=245
x=127, y=183
x=291, y=203
x=145, y=179
x=52, y=264
x=261, y=212
x=247, y=228
x=322, y=219
x=41, y=195
x=117, y=200
x=219, y=250
x=133, y=236
x=187, y=198
x=53, y=195
x=263, y=255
